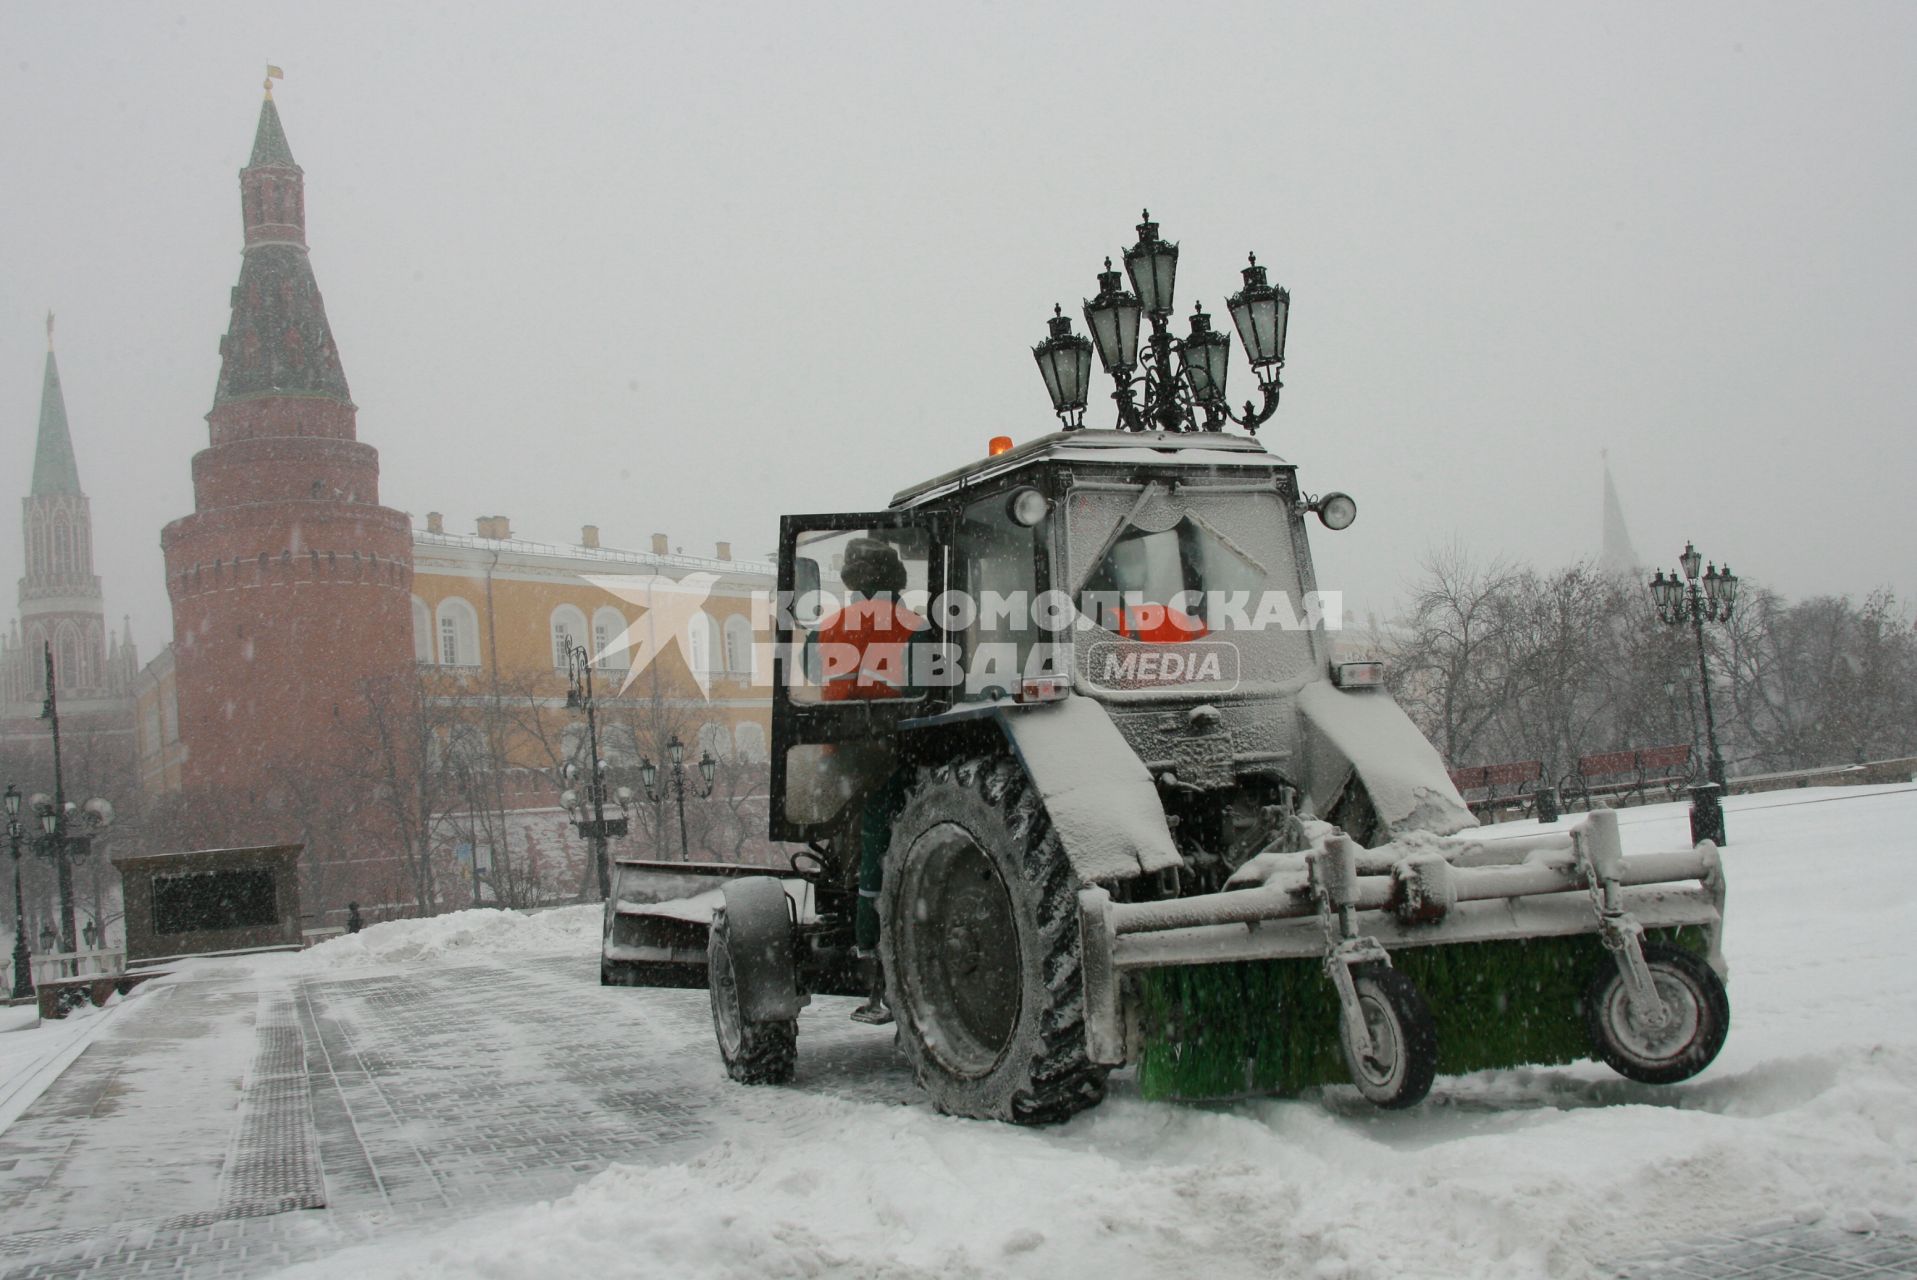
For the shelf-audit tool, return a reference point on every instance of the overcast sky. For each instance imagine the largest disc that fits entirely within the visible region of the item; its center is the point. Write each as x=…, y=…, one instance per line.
x=684, y=268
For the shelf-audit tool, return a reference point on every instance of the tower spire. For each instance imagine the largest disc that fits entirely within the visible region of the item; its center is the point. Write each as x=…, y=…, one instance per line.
x=279, y=343
x=1618, y=556
x=54, y=470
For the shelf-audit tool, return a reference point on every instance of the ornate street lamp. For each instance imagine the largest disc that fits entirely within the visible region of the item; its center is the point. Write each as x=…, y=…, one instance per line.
x=676, y=757
x=1065, y=362
x=1174, y=381
x=1694, y=600
x=588, y=814
x=22, y=958
x=59, y=816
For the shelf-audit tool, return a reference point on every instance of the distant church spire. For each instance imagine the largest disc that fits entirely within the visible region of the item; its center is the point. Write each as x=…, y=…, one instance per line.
x=1618, y=556
x=54, y=470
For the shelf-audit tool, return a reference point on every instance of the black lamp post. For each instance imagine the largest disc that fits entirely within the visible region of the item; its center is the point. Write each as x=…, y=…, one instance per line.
x=22, y=958
x=58, y=817
x=589, y=813
x=1696, y=600
x=676, y=757
x=1178, y=379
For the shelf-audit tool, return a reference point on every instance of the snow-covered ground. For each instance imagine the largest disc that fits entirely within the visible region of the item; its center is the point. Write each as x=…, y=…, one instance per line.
x=1811, y=1111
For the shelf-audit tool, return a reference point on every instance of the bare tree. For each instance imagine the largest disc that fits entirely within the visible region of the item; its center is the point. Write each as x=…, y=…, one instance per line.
x=1450, y=664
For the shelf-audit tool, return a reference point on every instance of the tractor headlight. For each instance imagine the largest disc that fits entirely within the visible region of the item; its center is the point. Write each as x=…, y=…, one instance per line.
x=1336, y=510
x=1028, y=507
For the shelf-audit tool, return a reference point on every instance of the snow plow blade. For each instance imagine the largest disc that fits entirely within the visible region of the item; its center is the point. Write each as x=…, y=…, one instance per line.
x=1226, y=994
x=659, y=920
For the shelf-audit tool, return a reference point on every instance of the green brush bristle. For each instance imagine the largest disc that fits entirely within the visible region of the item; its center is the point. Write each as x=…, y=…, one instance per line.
x=1227, y=1030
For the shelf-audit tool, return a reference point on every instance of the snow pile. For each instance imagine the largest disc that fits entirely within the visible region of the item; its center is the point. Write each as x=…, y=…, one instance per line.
x=459, y=935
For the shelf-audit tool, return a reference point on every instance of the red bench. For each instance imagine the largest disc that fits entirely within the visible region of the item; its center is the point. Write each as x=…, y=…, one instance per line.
x=1486, y=788
x=1631, y=773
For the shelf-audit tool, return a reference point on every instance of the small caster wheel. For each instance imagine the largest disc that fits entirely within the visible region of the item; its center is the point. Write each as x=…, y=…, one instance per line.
x=1403, y=1060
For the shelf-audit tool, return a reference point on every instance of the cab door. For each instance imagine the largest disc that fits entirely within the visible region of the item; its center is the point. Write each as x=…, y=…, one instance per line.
x=828, y=753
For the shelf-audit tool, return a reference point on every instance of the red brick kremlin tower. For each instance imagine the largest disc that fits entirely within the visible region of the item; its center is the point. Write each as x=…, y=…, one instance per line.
x=291, y=585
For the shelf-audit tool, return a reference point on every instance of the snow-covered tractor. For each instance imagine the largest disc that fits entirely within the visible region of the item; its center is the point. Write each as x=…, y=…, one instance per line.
x=1109, y=798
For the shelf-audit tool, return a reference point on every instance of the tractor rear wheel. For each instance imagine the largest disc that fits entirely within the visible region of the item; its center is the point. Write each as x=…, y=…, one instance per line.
x=754, y=1051
x=980, y=940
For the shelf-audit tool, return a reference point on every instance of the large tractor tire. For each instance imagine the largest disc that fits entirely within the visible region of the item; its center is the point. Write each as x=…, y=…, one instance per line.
x=980, y=941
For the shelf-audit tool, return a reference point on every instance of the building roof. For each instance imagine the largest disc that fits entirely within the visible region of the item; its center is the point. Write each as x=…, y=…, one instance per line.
x=1204, y=449
x=278, y=342
x=54, y=470
x=270, y=150
x=524, y=549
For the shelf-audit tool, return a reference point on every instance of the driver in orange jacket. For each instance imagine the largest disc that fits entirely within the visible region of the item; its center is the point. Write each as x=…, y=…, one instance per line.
x=864, y=652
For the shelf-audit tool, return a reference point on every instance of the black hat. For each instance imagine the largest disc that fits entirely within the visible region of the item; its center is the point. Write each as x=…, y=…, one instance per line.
x=872, y=567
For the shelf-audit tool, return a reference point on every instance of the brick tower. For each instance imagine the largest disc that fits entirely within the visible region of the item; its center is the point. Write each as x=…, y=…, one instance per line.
x=291, y=585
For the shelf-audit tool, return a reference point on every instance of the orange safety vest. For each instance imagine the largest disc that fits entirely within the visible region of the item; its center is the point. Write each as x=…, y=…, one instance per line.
x=1159, y=624
x=864, y=649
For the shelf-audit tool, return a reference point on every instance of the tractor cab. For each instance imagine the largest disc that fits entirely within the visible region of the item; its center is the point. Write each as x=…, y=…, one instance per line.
x=1165, y=577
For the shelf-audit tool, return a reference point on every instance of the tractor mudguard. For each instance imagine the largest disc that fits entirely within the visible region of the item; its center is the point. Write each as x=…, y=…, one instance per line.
x=759, y=921
x=1100, y=796
x=1364, y=730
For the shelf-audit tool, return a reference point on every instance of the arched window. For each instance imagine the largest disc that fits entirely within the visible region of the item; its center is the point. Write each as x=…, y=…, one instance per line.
x=37, y=550
x=608, y=625
x=66, y=657
x=714, y=741
x=466, y=748
x=738, y=633
x=458, y=633
x=704, y=646
x=62, y=551
x=36, y=658
x=422, y=633
x=748, y=741
x=620, y=745
x=568, y=629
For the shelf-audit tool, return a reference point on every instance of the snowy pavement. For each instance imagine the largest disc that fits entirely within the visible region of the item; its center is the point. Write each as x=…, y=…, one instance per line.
x=459, y=1096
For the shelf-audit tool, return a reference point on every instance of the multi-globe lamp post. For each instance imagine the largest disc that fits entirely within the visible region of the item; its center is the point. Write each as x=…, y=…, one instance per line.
x=1173, y=382
x=22, y=958
x=588, y=812
x=676, y=761
x=1697, y=599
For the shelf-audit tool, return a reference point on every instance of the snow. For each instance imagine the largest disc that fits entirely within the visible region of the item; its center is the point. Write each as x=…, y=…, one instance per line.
x=1810, y=1112
x=458, y=935
x=33, y=1052
x=1406, y=779
x=1101, y=798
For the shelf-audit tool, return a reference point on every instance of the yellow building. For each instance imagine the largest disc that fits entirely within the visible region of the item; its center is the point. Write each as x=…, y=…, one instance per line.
x=681, y=639
x=680, y=650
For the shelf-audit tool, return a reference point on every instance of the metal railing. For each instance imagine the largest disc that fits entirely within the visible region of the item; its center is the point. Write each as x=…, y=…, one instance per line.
x=61, y=966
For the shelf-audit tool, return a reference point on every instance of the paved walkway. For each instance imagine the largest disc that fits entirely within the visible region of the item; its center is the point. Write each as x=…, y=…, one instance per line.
x=390, y=1101
x=385, y=1100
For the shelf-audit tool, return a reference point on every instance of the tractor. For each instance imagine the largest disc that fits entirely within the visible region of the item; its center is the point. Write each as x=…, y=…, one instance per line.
x=1077, y=777
x=1082, y=815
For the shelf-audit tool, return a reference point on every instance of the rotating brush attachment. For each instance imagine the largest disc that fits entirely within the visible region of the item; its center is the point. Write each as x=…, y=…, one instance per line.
x=1271, y=1027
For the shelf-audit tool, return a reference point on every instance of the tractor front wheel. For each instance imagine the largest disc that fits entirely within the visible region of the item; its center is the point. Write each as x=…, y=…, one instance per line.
x=1403, y=1059
x=980, y=940
x=1697, y=1018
